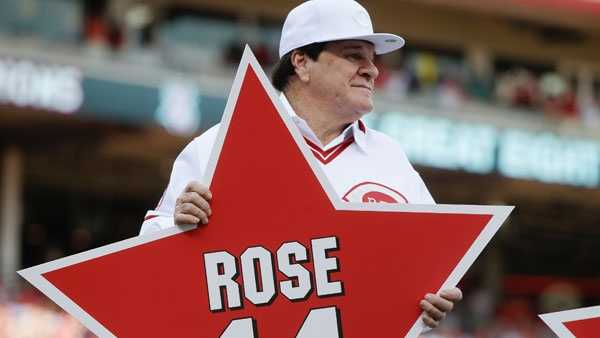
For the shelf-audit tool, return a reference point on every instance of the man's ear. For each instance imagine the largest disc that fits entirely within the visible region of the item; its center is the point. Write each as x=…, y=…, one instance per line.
x=301, y=63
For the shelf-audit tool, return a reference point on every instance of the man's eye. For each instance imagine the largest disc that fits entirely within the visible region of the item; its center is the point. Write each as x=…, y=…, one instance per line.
x=355, y=56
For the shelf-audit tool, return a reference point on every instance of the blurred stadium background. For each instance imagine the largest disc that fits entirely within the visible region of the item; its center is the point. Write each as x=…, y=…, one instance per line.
x=495, y=102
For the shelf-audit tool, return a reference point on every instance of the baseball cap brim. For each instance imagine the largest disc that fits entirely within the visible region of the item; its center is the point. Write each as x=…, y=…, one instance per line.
x=384, y=42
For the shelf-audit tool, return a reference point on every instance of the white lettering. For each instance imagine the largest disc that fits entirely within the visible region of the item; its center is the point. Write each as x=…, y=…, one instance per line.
x=324, y=264
x=259, y=277
x=216, y=280
x=26, y=84
x=255, y=293
x=297, y=271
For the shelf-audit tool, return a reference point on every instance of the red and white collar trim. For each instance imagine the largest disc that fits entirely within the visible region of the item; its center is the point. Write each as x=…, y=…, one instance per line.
x=361, y=126
x=326, y=156
x=357, y=131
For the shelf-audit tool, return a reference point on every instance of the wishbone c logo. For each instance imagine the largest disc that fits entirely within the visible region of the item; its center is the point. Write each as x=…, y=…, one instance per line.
x=371, y=192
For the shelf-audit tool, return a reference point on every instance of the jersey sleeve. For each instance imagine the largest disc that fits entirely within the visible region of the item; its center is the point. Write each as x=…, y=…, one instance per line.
x=424, y=196
x=189, y=166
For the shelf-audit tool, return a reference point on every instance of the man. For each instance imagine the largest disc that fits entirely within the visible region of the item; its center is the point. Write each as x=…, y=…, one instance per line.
x=326, y=75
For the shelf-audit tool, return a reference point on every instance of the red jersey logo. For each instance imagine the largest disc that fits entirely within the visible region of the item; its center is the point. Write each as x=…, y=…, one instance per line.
x=371, y=192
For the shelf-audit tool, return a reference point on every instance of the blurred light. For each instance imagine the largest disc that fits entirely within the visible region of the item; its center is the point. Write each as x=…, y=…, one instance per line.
x=26, y=84
x=549, y=158
x=178, y=109
x=444, y=143
x=139, y=16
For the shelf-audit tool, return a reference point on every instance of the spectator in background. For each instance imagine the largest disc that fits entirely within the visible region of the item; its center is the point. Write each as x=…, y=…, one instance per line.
x=480, y=86
x=426, y=70
x=398, y=83
x=588, y=99
x=558, y=98
x=263, y=55
x=560, y=295
x=138, y=27
x=102, y=32
x=517, y=88
x=451, y=91
x=569, y=108
x=479, y=75
x=552, y=88
x=590, y=111
x=394, y=77
x=382, y=81
x=96, y=34
x=95, y=28
x=515, y=319
x=115, y=36
x=525, y=91
x=451, y=95
x=235, y=49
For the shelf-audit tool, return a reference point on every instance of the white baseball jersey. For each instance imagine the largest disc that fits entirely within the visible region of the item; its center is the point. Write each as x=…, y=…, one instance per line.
x=362, y=165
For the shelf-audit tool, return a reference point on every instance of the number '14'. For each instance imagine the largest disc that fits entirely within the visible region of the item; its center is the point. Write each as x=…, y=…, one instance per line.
x=319, y=323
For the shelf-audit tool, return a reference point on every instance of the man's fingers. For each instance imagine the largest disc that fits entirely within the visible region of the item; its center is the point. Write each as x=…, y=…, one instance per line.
x=191, y=209
x=192, y=205
x=439, y=302
x=202, y=203
x=183, y=219
x=435, y=307
x=454, y=295
x=431, y=310
x=197, y=187
x=432, y=323
x=196, y=199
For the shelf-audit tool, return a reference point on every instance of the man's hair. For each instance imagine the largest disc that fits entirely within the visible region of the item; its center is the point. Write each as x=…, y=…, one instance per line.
x=284, y=68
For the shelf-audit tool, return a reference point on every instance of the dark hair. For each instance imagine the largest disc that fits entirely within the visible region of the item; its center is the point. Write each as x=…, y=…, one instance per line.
x=284, y=67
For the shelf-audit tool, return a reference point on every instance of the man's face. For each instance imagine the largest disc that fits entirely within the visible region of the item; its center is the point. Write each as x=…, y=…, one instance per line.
x=343, y=76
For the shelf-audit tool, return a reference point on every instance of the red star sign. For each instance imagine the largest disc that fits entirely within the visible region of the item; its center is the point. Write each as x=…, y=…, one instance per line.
x=577, y=323
x=282, y=257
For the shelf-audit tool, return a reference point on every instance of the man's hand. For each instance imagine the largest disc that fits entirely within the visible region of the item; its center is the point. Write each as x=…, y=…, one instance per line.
x=436, y=307
x=192, y=206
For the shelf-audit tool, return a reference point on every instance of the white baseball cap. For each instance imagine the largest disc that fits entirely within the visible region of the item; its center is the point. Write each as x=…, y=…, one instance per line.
x=332, y=20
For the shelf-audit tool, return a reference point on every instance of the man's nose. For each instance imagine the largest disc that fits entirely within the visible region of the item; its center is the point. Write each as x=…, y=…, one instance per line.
x=370, y=70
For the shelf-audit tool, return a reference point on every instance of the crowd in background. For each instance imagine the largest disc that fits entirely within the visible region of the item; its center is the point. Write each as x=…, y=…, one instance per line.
x=204, y=41
x=453, y=83
x=30, y=314
x=446, y=78
x=449, y=78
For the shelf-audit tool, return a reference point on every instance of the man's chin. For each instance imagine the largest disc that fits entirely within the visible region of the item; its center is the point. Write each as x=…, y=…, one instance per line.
x=359, y=109
x=359, y=114
x=365, y=109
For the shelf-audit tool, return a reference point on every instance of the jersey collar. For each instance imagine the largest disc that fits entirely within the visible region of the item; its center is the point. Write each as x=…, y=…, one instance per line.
x=358, y=130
